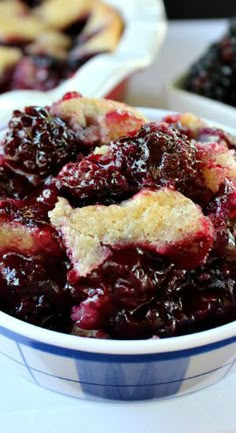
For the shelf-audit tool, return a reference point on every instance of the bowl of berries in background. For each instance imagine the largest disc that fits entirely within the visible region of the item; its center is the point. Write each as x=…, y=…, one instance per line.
x=209, y=86
x=117, y=249
x=48, y=48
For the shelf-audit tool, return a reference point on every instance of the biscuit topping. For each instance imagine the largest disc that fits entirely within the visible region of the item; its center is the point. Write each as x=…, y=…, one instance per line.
x=162, y=221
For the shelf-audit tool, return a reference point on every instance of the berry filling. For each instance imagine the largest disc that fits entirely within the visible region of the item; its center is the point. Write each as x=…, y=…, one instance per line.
x=136, y=294
x=133, y=240
x=33, y=289
x=156, y=156
x=39, y=72
x=13, y=185
x=38, y=144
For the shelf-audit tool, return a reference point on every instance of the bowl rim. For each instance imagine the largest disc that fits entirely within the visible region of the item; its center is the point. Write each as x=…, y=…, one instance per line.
x=225, y=334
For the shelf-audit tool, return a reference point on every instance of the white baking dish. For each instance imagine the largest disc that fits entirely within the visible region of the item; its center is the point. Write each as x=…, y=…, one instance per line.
x=145, y=28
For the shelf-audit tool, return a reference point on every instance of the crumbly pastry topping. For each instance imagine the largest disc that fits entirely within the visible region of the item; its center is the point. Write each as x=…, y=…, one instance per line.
x=156, y=220
x=50, y=42
x=24, y=28
x=8, y=58
x=101, y=120
x=13, y=8
x=56, y=15
x=218, y=163
x=102, y=15
x=17, y=237
x=102, y=31
x=24, y=227
x=192, y=122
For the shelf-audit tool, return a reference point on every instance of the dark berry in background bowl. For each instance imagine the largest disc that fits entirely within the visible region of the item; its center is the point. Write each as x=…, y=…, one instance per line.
x=214, y=74
x=208, y=87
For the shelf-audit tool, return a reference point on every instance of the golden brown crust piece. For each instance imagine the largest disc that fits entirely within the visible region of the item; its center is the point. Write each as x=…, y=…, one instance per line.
x=59, y=14
x=9, y=9
x=102, y=31
x=157, y=219
x=51, y=42
x=103, y=27
x=193, y=122
x=15, y=236
x=104, y=119
x=218, y=163
x=25, y=28
x=8, y=58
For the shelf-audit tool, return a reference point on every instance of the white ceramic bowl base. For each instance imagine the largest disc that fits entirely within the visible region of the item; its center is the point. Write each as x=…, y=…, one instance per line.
x=120, y=370
x=83, y=374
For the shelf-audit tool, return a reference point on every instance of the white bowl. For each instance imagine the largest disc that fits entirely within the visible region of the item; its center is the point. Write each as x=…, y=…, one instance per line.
x=179, y=99
x=122, y=370
x=145, y=28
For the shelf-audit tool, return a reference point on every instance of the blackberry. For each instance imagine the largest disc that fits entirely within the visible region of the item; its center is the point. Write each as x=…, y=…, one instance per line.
x=13, y=185
x=136, y=295
x=37, y=144
x=157, y=156
x=32, y=289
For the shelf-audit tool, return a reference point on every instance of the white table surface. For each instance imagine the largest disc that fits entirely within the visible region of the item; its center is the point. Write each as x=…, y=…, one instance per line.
x=184, y=42
x=26, y=408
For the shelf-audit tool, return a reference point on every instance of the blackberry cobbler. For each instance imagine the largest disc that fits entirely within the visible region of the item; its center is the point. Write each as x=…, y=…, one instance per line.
x=44, y=42
x=115, y=227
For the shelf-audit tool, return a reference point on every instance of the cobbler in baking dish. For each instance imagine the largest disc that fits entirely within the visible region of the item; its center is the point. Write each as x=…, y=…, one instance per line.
x=44, y=42
x=115, y=227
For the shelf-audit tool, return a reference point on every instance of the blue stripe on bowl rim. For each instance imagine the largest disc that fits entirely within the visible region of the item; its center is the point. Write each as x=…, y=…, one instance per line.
x=108, y=357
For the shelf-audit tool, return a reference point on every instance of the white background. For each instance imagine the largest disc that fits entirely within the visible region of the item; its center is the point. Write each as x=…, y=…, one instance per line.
x=26, y=408
x=184, y=42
